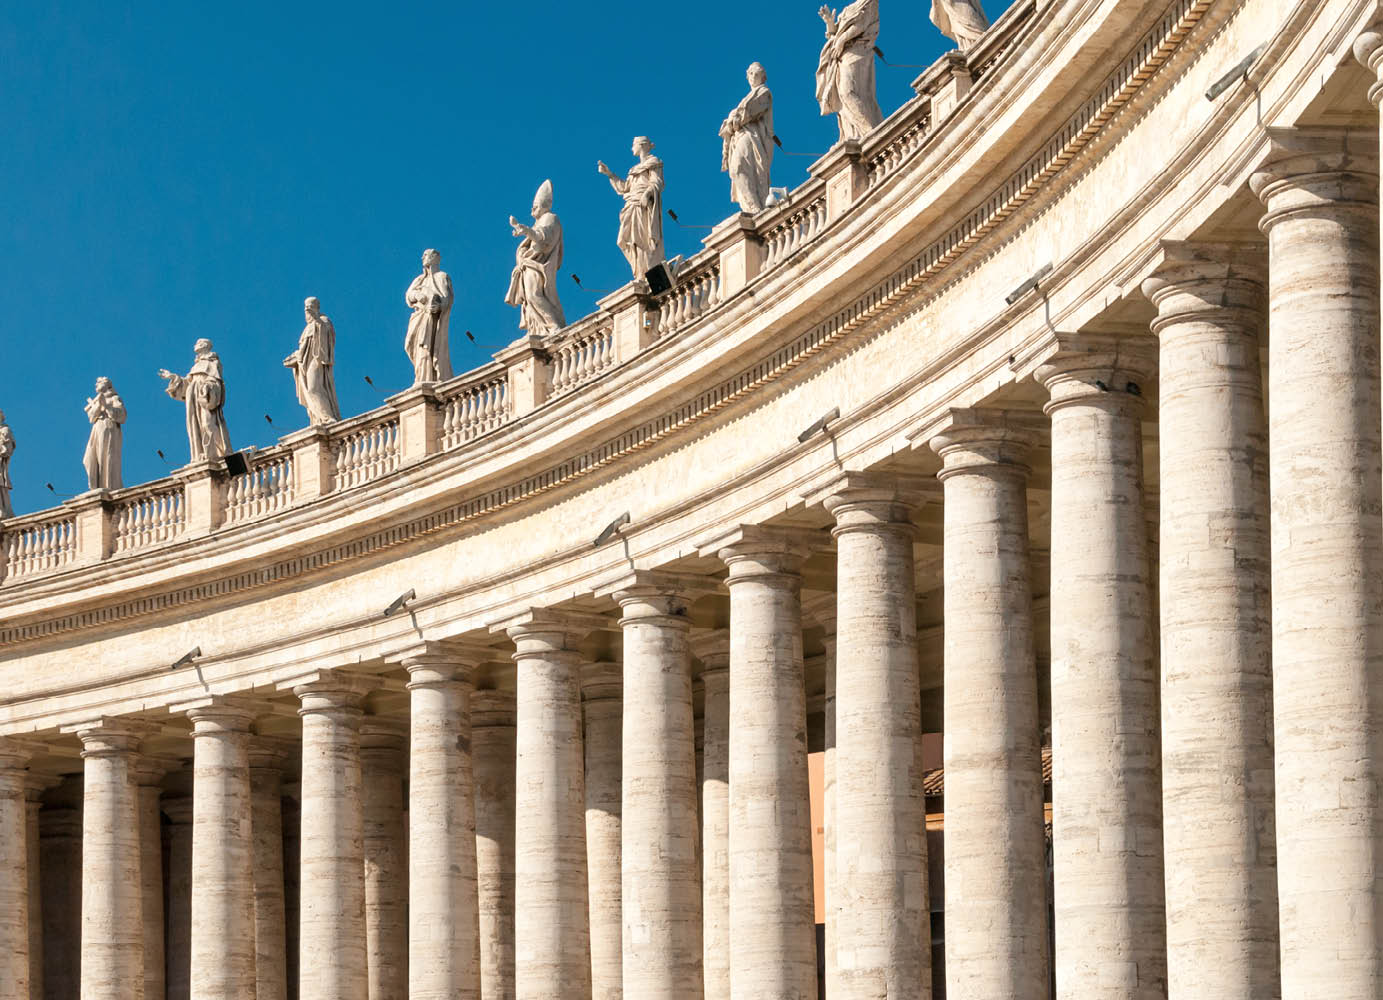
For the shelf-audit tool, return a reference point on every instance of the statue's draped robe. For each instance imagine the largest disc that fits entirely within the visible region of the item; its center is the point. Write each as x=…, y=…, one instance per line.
x=427, y=341
x=102, y=458
x=533, y=285
x=641, y=220
x=845, y=74
x=204, y=391
x=963, y=20
x=7, y=444
x=312, y=371
x=747, y=153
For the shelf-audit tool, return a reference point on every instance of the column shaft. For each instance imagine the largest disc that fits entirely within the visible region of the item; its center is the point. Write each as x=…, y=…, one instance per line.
x=995, y=857
x=1107, y=807
x=715, y=822
x=31, y=834
x=14, y=874
x=1321, y=192
x=493, y=743
x=602, y=701
x=148, y=775
x=1216, y=618
x=386, y=862
x=178, y=899
x=270, y=914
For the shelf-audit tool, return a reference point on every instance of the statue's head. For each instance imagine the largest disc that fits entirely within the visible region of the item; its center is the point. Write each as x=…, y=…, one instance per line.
x=311, y=307
x=202, y=347
x=542, y=201
x=643, y=145
x=103, y=384
x=431, y=260
x=756, y=75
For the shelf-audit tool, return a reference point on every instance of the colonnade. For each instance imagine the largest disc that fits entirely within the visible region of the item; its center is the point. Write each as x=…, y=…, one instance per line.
x=1216, y=817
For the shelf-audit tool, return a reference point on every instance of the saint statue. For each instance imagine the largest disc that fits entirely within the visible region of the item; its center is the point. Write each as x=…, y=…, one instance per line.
x=962, y=20
x=845, y=74
x=430, y=297
x=533, y=285
x=641, y=220
x=106, y=412
x=747, y=144
x=204, y=391
x=6, y=450
x=312, y=363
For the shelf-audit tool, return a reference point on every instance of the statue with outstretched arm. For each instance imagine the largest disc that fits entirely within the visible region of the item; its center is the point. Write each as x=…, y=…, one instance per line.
x=533, y=282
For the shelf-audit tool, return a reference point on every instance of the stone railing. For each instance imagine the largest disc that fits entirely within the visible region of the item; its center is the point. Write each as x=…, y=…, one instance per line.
x=477, y=404
x=581, y=352
x=150, y=515
x=798, y=229
x=696, y=291
x=265, y=488
x=367, y=449
x=40, y=543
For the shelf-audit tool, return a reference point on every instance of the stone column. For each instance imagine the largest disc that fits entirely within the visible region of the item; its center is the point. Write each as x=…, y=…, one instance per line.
x=1321, y=191
x=178, y=943
x=292, y=895
x=33, y=803
x=995, y=848
x=879, y=899
x=386, y=862
x=1216, y=618
x=443, y=939
x=148, y=774
x=1107, y=807
x=603, y=701
x=772, y=909
x=112, y=910
x=493, y=743
x=332, y=937
x=60, y=859
x=267, y=758
x=661, y=897
x=714, y=654
x=821, y=609
x=14, y=872
x=551, y=923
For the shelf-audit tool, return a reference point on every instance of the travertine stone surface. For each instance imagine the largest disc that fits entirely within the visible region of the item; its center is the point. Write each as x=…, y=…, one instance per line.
x=880, y=902
x=1321, y=193
x=821, y=609
x=148, y=773
x=443, y=938
x=14, y=873
x=112, y=912
x=1216, y=618
x=995, y=858
x=383, y=763
x=292, y=894
x=178, y=898
x=332, y=867
x=33, y=805
x=602, y=705
x=772, y=918
x=1106, y=792
x=551, y=925
x=494, y=746
x=60, y=858
x=714, y=655
x=267, y=759
x=223, y=928
x=661, y=886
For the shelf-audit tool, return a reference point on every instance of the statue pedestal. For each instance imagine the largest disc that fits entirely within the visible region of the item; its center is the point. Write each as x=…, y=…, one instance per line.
x=313, y=467
x=204, y=500
x=736, y=241
x=95, y=525
x=635, y=314
x=530, y=374
x=420, y=421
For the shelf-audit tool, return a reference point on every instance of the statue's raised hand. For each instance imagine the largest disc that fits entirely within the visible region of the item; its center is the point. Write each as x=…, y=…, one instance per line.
x=165, y=374
x=829, y=17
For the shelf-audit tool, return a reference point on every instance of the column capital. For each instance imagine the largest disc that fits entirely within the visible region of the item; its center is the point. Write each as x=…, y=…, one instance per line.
x=150, y=770
x=221, y=714
x=1314, y=170
x=602, y=681
x=545, y=631
x=333, y=691
x=178, y=810
x=754, y=550
x=383, y=735
x=1095, y=368
x=108, y=737
x=820, y=609
x=271, y=753
x=874, y=501
x=493, y=707
x=655, y=596
x=14, y=755
x=1368, y=49
x=982, y=440
x=36, y=783
x=1200, y=279
x=447, y=656
x=712, y=648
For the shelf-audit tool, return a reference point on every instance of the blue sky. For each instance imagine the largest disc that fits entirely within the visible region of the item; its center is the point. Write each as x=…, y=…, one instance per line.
x=188, y=170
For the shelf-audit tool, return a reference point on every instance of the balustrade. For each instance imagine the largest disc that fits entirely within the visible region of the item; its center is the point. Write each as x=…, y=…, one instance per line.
x=478, y=407
x=38, y=546
x=266, y=488
x=581, y=355
x=696, y=292
x=154, y=515
x=367, y=453
x=797, y=230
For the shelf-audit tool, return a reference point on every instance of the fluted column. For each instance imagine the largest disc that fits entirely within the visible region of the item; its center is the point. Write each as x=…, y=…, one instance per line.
x=148, y=773
x=995, y=857
x=178, y=899
x=332, y=919
x=1107, y=806
x=14, y=872
x=879, y=896
x=112, y=911
x=1321, y=192
x=714, y=654
x=1216, y=617
x=386, y=861
x=493, y=744
x=551, y=923
x=33, y=804
x=602, y=704
x=772, y=909
x=443, y=938
x=661, y=898
x=267, y=759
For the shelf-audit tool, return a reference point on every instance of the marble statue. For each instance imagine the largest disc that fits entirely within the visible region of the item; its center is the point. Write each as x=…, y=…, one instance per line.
x=7, y=444
x=312, y=364
x=533, y=285
x=962, y=20
x=747, y=144
x=845, y=73
x=106, y=411
x=641, y=220
x=430, y=297
x=204, y=391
